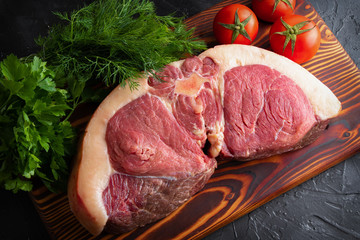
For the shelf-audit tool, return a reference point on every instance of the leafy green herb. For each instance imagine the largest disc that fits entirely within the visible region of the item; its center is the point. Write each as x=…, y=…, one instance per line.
x=34, y=139
x=115, y=41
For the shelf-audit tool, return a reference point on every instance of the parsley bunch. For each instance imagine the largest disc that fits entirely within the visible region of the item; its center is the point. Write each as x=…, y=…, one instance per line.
x=36, y=138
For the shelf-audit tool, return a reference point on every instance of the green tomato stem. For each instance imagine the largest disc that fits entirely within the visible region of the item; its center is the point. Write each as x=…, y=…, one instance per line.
x=292, y=32
x=238, y=27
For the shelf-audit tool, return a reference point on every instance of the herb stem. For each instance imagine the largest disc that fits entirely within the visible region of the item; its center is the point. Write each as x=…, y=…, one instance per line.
x=5, y=104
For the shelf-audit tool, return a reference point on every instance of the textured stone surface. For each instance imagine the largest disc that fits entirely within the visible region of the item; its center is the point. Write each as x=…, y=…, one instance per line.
x=325, y=207
x=343, y=18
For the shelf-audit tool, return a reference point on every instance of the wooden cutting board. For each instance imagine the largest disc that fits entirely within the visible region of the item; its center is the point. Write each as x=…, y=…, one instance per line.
x=237, y=188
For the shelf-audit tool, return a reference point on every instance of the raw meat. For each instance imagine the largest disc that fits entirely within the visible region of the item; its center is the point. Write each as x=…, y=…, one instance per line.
x=146, y=152
x=265, y=112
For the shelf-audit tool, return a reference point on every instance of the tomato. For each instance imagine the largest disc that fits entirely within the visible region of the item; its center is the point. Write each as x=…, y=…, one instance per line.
x=271, y=10
x=295, y=37
x=235, y=23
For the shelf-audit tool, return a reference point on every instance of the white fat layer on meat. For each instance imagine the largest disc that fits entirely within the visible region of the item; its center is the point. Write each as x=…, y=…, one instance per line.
x=170, y=178
x=94, y=169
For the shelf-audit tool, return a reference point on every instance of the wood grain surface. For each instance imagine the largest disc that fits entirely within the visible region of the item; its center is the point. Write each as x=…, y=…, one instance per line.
x=237, y=188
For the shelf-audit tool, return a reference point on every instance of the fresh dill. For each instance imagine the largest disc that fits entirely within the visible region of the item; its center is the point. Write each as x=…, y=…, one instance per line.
x=116, y=42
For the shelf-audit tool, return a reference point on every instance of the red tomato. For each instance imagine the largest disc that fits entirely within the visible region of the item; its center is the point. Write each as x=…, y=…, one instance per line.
x=271, y=10
x=235, y=23
x=305, y=32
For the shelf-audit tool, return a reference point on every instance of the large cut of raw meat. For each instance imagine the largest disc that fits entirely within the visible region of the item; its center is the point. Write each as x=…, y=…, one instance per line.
x=146, y=152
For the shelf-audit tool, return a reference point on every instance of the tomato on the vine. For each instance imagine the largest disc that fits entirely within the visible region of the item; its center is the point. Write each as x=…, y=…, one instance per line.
x=235, y=23
x=295, y=37
x=271, y=10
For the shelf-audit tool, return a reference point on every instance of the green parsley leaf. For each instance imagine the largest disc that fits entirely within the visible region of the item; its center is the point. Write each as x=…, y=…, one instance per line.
x=34, y=128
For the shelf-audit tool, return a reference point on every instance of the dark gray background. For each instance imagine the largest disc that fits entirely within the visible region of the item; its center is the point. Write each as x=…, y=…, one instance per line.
x=325, y=207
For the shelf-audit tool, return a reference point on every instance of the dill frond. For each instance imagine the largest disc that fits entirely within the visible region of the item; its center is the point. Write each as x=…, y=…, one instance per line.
x=115, y=42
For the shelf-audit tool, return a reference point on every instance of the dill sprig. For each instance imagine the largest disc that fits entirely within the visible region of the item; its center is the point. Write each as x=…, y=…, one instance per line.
x=116, y=42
